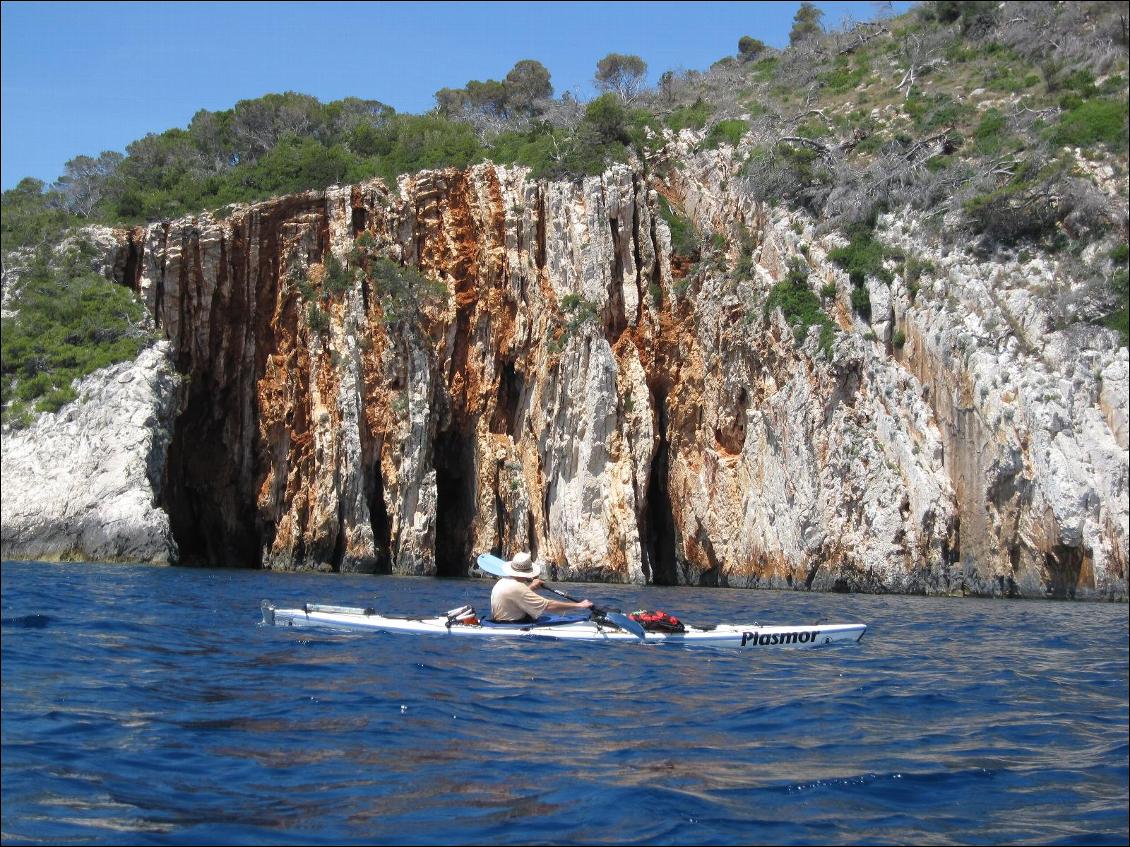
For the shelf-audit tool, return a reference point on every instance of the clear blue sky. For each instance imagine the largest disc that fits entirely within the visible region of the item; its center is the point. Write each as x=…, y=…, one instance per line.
x=80, y=78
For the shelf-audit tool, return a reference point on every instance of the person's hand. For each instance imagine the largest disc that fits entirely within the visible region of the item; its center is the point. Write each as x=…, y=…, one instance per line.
x=585, y=604
x=535, y=584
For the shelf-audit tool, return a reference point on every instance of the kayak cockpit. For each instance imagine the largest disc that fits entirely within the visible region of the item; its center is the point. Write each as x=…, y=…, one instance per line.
x=544, y=620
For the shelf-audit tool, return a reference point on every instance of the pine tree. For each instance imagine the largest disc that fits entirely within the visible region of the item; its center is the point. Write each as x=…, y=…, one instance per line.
x=806, y=23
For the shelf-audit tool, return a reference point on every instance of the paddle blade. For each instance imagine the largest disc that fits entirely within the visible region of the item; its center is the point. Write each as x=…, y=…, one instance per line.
x=491, y=564
x=622, y=621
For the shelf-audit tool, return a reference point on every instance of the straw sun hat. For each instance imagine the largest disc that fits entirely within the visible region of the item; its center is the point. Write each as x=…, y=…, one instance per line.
x=521, y=567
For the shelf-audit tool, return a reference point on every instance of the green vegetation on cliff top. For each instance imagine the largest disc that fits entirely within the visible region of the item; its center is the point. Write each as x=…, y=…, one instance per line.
x=963, y=97
x=977, y=115
x=71, y=321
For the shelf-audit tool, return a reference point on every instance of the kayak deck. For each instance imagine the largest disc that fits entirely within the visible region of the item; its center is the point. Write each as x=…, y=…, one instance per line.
x=743, y=636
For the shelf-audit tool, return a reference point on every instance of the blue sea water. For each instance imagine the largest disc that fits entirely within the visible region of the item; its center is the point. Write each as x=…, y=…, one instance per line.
x=148, y=706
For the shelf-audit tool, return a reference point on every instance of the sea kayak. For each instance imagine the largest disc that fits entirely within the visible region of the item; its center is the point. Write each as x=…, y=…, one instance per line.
x=563, y=628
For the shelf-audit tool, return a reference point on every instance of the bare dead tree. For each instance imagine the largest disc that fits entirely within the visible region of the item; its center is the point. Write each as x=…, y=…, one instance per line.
x=85, y=182
x=861, y=34
x=1065, y=36
x=919, y=54
x=566, y=112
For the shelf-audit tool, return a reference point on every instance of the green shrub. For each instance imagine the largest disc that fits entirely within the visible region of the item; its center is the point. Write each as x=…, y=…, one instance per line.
x=765, y=69
x=293, y=165
x=645, y=132
x=535, y=148
x=744, y=268
x=843, y=77
x=684, y=238
x=1119, y=284
x=813, y=128
x=872, y=143
x=787, y=173
x=607, y=116
x=861, y=302
x=958, y=53
x=68, y=322
x=1009, y=79
x=1080, y=83
x=750, y=49
x=977, y=17
x=604, y=137
x=800, y=306
x=29, y=217
x=689, y=117
x=725, y=132
x=990, y=135
x=307, y=290
x=756, y=108
x=913, y=268
x=1113, y=84
x=420, y=142
x=317, y=319
x=402, y=291
x=1119, y=321
x=579, y=310
x=862, y=256
x=1015, y=212
x=338, y=279
x=162, y=177
x=940, y=111
x=1094, y=122
x=938, y=163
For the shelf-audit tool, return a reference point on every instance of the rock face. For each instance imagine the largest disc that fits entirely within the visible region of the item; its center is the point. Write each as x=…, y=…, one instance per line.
x=80, y=483
x=1033, y=422
x=574, y=392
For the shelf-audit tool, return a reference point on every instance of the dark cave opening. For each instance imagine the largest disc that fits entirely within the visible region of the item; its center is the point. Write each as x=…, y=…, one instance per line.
x=658, y=530
x=455, y=502
x=131, y=265
x=510, y=386
x=951, y=552
x=379, y=520
x=360, y=220
x=1065, y=564
x=212, y=518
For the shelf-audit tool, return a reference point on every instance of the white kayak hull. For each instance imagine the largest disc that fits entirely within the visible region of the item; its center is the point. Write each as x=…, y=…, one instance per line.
x=746, y=636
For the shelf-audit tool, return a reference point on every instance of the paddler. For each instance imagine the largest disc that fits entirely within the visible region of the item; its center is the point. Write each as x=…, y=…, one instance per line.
x=513, y=599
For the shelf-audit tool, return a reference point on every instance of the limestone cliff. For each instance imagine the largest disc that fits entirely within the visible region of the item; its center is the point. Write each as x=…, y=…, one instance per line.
x=80, y=483
x=576, y=393
x=1027, y=418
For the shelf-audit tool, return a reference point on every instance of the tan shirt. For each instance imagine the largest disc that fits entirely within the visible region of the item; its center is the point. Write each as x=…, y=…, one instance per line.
x=511, y=600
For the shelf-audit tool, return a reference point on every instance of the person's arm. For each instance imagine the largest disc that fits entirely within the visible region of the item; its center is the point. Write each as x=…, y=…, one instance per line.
x=559, y=606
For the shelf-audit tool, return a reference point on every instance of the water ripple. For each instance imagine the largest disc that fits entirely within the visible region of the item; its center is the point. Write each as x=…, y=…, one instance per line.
x=147, y=705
